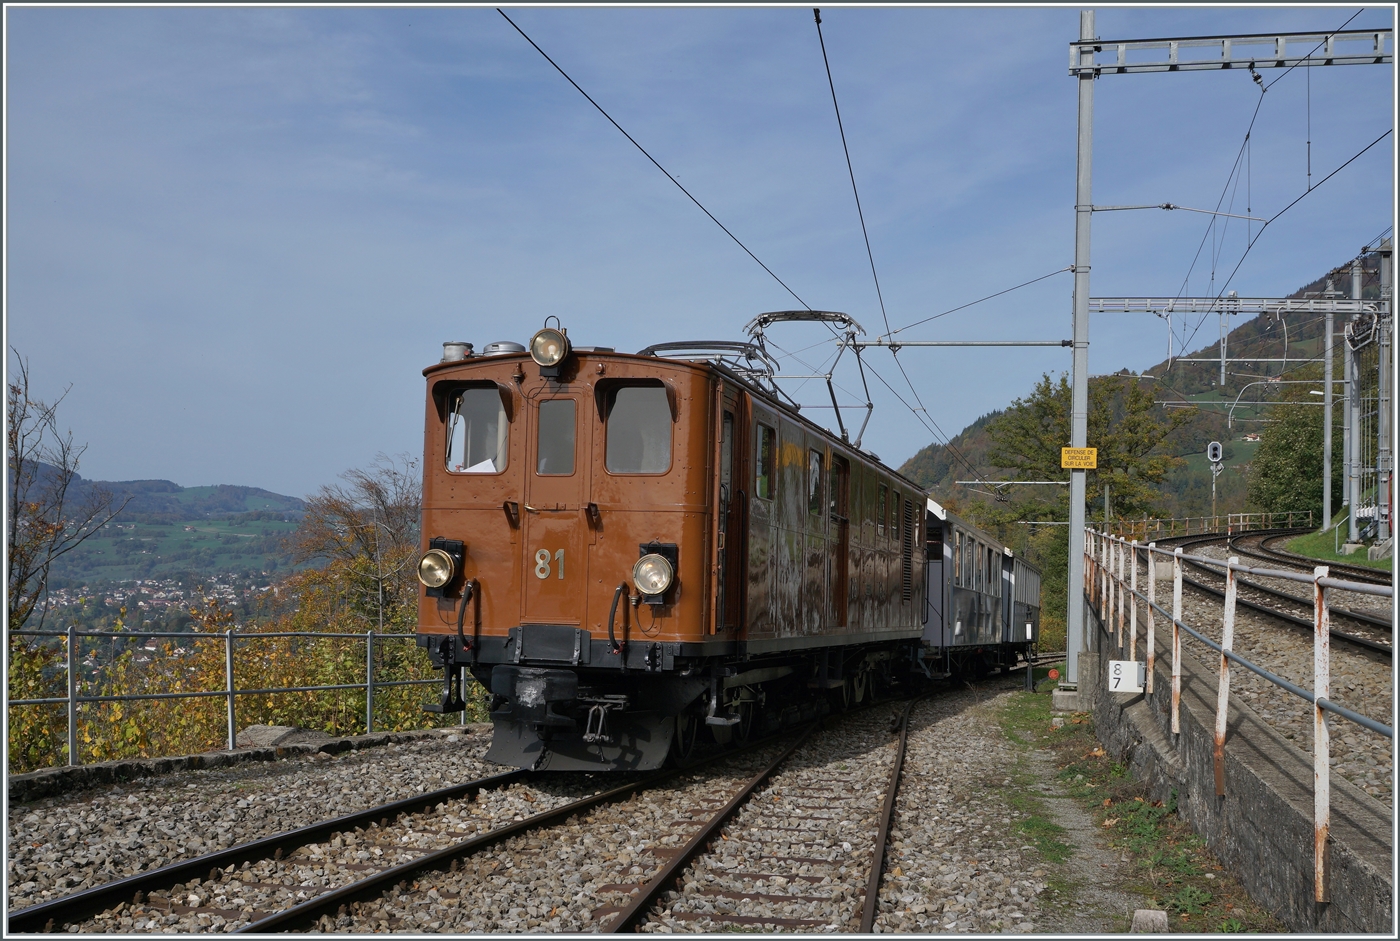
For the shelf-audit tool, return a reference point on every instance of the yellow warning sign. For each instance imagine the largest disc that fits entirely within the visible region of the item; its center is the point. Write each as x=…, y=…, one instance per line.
x=1079, y=458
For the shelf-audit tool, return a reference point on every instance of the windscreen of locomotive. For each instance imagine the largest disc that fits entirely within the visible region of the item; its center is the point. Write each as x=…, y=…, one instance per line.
x=639, y=431
x=477, y=432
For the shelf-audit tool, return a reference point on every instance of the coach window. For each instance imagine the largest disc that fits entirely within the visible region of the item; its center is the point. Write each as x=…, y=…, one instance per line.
x=638, y=431
x=814, y=482
x=554, y=446
x=957, y=559
x=767, y=439
x=478, y=432
x=977, y=566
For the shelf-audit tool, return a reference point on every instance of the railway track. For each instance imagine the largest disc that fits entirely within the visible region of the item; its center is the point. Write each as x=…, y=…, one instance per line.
x=348, y=870
x=1375, y=632
x=152, y=888
x=1266, y=550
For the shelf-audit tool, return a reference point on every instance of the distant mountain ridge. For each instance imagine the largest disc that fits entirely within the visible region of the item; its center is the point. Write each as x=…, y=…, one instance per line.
x=162, y=501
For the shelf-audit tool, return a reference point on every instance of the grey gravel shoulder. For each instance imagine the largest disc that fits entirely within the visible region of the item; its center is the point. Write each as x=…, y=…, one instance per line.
x=83, y=837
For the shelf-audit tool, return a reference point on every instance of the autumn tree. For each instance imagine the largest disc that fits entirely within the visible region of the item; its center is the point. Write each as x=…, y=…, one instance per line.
x=1123, y=425
x=44, y=518
x=365, y=532
x=1286, y=472
x=1027, y=439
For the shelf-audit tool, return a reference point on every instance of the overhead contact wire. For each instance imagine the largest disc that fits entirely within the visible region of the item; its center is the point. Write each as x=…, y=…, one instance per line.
x=1243, y=145
x=1263, y=228
x=653, y=160
x=817, y=15
x=979, y=300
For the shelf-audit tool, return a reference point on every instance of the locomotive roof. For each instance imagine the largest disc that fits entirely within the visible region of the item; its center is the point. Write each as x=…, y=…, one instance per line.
x=753, y=388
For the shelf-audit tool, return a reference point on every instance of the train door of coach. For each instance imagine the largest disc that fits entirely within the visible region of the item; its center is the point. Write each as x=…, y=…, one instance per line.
x=553, y=525
x=840, y=502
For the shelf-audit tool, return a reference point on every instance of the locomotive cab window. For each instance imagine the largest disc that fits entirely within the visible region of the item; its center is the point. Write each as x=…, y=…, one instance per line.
x=478, y=431
x=767, y=441
x=555, y=434
x=814, y=482
x=638, y=430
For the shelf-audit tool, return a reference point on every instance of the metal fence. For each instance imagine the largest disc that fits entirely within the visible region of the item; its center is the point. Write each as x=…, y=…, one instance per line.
x=230, y=638
x=1148, y=528
x=1107, y=584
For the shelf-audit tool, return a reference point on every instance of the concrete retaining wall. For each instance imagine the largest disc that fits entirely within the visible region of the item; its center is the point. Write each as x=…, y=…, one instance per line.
x=1262, y=829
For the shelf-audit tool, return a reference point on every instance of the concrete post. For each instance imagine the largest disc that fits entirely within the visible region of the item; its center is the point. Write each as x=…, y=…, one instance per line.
x=1350, y=471
x=1327, y=429
x=1079, y=410
x=1383, y=379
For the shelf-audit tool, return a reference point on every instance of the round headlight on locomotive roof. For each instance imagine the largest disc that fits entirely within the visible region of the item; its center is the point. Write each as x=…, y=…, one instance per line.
x=549, y=347
x=436, y=568
x=652, y=574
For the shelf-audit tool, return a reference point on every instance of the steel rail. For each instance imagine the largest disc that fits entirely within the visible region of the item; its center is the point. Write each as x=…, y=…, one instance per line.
x=877, y=862
x=1362, y=616
x=1306, y=624
x=631, y=916
x=1370, y=620
x=1321, y=703
x=1358, y=572
x=80, y=905
x=308, y=912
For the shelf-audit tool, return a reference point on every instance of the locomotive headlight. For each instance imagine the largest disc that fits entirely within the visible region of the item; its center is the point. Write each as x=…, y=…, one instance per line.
x=549, y=347
x=652, y=574
x=436, y=568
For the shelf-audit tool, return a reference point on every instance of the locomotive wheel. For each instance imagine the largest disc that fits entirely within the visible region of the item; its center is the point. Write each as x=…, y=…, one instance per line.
x=840, y=697
x=683, y=742
x=744, y=729
x=856, y=685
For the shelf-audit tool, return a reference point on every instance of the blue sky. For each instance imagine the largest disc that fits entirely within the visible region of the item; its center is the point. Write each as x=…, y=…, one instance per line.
x=240, y=234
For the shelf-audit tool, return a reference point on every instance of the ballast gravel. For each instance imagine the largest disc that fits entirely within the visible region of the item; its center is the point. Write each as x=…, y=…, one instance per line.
x=66, y=843
x=954, y=863
x=1360, y=680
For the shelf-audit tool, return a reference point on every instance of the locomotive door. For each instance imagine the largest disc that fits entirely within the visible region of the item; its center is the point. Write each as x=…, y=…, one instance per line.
x=554, y=529
x=726, y=504
x=840, y=503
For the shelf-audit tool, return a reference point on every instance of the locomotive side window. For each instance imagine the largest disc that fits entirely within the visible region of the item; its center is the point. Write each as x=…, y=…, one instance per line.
x=814, y=482
x=894, y=520
x=767, y=439
x=638, y=431
x=554, y=445
x=478, y=433
x=880, y=508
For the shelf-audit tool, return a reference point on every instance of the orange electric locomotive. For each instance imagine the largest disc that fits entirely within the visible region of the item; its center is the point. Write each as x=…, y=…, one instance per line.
x=631, y=551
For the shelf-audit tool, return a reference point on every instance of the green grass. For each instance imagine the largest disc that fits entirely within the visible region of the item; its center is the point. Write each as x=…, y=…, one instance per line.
x=1024, y=716
x=1171, y=866
x=144, y=550
x=1320, y=546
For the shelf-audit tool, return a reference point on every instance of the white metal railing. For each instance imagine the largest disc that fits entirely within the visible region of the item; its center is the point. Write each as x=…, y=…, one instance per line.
x=1105, y=585
x=73, y=700
x=1149, y=528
